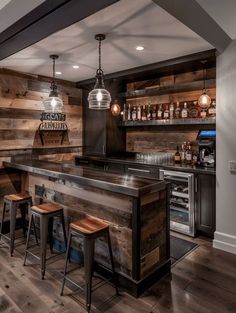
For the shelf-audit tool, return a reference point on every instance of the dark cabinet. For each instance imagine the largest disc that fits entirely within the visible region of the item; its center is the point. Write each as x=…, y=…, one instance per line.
x=206, y=204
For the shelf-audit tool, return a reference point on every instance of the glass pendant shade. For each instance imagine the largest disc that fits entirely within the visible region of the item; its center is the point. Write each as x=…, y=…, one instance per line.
x=115, y=109
x=99, y=98
x=53, y=105
x=204, y=100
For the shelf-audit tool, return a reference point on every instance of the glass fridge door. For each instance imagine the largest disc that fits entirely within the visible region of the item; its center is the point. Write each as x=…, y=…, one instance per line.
x=182, y=217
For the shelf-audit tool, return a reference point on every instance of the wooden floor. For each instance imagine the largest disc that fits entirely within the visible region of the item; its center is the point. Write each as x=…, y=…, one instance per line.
x=203, y=282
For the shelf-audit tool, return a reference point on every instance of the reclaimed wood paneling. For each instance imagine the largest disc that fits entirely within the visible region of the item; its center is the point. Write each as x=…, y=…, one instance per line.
x=21, y=99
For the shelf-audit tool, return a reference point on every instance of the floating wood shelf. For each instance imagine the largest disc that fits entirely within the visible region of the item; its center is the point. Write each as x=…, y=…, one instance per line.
x=177, y=88
x=188, y=121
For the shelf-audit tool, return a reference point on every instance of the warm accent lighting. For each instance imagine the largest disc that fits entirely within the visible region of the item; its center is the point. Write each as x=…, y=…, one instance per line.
x=75, y=66
x=140, y=48
x=99, y=98
x=204, y=100
x=58, y=73
x=115, y=108
x=53, y=103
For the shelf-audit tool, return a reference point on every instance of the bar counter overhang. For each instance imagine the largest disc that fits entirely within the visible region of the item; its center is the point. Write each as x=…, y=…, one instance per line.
x=135, y=207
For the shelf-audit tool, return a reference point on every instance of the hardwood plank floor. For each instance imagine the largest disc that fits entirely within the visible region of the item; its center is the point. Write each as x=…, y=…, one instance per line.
x=202, y=282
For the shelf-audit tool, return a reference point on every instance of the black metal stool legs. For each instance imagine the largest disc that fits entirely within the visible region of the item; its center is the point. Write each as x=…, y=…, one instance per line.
x=12, y=227
x=2, y=220
x=43, y=244
x=88, y=267
x=67, y=257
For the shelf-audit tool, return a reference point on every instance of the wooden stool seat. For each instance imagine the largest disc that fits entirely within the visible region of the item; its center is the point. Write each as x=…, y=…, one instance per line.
x=88, y=226
x=46, y=208
x=17, y=197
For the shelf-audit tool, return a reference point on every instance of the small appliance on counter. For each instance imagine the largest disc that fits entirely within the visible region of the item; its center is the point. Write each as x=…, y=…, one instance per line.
x=206, y=145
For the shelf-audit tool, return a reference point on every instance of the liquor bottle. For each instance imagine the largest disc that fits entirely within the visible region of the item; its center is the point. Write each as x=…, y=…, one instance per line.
x=189, y=154
x=172, y=108
x=160, y=112
x=193, y=112
x=166, y=114
x=149, y=113
x=154, y=112
x=184, y=112
x=124, y=117
x=177, y=157
x=212, y=109
x=144, y=113
x=129, y=113
x=183, y=152
x=177, y=110
x=134, y=114
x=139, y=113
x=203, y=113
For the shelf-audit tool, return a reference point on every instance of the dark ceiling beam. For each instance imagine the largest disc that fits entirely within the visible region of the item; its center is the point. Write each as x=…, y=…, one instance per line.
x=191, y=14
x=48, y=18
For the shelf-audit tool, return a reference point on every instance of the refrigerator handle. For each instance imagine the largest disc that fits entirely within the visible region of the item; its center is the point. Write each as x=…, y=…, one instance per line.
x=195, y=183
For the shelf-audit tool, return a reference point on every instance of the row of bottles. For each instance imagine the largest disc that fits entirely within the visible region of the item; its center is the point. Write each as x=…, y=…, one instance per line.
x=169, y=111
x=185, y=155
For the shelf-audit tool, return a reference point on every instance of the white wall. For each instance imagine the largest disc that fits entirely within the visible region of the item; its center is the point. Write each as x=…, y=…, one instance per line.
x=225, y=235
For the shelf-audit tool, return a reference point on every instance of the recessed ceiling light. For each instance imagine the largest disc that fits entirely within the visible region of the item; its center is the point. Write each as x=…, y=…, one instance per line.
x=75, y=66
x=58, y=73
x=139, y=48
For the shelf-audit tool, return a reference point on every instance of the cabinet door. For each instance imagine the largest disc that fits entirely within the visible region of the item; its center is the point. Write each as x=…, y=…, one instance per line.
x=115, y=168
x=206, y=204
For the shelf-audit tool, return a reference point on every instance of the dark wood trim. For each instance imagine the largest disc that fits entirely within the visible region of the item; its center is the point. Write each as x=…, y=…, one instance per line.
x=186, y=63
x=48, y=18
x=136, y=227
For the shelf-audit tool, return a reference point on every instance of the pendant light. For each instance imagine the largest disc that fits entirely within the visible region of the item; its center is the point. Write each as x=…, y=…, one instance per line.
x=53, y=103
x=99, y=98
x=115, y=108
x=204, y=100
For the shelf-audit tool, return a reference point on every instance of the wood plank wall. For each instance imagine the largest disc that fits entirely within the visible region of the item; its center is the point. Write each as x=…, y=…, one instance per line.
x=21, y=97
x=153, y=139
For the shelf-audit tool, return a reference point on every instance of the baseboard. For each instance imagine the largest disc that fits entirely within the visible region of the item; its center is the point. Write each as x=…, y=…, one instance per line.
x=225, y=242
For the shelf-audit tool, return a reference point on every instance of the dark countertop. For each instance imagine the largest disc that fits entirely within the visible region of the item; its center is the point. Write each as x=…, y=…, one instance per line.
x=168, y=166
x=124, y=184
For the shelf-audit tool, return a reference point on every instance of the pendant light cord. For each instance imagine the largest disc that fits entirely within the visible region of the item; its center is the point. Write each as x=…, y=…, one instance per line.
x=53, y=70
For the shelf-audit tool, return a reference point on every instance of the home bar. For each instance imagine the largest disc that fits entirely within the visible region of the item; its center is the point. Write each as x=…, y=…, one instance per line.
x=117, y=156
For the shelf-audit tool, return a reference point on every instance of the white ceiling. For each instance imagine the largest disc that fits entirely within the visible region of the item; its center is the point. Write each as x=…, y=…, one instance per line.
x=223, y=12
x=12, y=10
x=126, y=25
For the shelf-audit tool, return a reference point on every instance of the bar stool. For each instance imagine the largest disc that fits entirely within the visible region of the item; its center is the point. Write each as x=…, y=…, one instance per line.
x=19, y=201
x=45, y=212
x=89, y=229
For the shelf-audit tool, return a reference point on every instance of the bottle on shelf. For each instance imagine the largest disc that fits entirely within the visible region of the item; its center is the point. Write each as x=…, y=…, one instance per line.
x=134, y=114
x=177, y=110
x=154, y=112
x=149, y=112
x=212, y=109
x=185, y=111
x=166, y=114
x=172, y=109
x=177, y=156
x=129, y=113
x=189, y=154
x=139, y=113
x=160, y=112
x=193, y=112
x=144, y=113
x=124, y=117
x=203, y=113
x=183, y=152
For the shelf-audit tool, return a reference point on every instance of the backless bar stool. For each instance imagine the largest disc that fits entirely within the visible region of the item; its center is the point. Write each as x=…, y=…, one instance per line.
x=89, y=229
x=19, y=201
x=45, y=212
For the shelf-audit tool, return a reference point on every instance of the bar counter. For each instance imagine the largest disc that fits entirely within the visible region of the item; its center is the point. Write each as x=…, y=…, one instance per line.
x=136, y=209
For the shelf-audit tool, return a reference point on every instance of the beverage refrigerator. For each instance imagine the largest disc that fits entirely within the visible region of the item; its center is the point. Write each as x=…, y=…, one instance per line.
x=182, y=201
